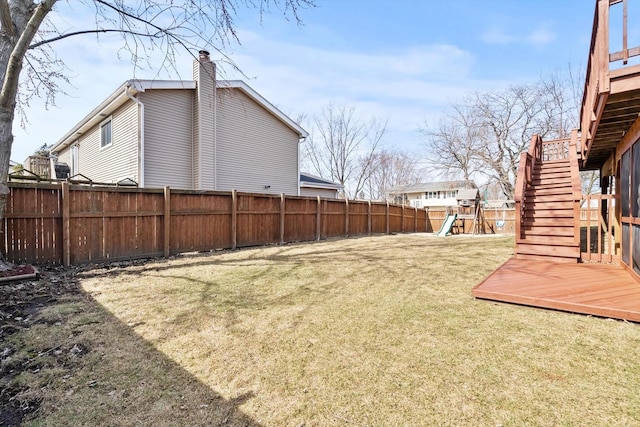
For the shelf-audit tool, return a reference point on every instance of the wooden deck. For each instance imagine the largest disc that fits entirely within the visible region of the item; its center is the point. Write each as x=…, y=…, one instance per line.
x=595, y=289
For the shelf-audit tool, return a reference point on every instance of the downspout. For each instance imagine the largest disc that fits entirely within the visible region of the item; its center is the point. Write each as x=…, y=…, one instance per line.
x=52, y=166
x=141, y=135
x=300, y=141
x=215, y=134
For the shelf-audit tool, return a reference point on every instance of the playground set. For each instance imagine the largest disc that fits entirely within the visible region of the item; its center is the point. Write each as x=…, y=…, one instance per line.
x=469, y=208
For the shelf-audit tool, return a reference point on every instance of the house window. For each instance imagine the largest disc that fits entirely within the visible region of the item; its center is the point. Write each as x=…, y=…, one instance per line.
x=450, y=195
x=105, y=133
x=432, y=194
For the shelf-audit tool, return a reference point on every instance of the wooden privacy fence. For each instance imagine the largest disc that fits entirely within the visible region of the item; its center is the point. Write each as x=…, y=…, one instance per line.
x=69, y=224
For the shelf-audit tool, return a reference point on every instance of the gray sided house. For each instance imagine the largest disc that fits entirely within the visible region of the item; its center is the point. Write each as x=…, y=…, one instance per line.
x=200, y=134
x=430, y=194
x=311, y=185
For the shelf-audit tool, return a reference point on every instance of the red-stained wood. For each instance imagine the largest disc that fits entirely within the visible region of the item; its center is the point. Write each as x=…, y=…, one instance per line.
x=594, y=289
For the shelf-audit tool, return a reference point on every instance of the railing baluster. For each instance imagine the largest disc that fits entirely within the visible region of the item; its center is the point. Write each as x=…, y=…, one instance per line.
x=625, y=49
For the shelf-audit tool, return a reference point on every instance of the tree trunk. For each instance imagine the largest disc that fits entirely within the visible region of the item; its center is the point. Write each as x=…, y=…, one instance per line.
x=20, y=21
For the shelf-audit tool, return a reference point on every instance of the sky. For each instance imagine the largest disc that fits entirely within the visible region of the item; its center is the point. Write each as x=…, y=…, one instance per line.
x=404, y=61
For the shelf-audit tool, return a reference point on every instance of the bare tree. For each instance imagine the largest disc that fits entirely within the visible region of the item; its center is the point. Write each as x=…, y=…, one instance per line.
x=453, y=144
x=562, y=92
x=30, y=67
x=392, y=169
x=486, y=132
x=510, y=118
x=342, y=147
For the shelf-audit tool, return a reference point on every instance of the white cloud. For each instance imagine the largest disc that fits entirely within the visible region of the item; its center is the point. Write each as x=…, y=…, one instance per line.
x=497, y=36
x=538, y=37
x=406, y=85
x=541, y=37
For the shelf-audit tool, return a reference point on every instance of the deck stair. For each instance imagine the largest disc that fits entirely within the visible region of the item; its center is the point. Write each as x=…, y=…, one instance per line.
x=547, y=208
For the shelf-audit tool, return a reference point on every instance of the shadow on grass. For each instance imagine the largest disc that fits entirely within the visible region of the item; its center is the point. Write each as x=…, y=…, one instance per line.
x=68, y=361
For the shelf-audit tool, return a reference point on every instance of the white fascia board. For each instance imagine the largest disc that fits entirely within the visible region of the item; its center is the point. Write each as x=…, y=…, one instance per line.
x=113, y=101
x=143, y=85
x=239, y=84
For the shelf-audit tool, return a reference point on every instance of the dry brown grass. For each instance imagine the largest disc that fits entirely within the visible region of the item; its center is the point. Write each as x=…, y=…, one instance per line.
x=375, y=331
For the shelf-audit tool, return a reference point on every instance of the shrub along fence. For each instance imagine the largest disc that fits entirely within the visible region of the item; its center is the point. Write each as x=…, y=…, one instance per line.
x=69, y=224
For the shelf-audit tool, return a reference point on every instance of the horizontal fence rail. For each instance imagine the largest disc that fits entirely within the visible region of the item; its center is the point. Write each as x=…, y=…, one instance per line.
x=70, y=224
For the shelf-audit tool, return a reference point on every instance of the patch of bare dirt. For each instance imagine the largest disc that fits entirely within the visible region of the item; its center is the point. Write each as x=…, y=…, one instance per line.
x=20, y=301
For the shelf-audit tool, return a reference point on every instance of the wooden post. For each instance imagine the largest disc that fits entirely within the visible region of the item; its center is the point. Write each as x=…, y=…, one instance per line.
x=402, y=219
x=625, y=50
x=318, y=219
x=426, y=220
x=167, y=221
x=588, y=227
x=282, y=214
x=369, y=217
x=346, y=217
x=234, y=219
x=386, y=213
x=66, y=234
x=415, y=219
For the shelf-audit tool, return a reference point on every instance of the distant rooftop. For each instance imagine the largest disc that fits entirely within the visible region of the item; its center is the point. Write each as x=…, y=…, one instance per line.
x=434, y=186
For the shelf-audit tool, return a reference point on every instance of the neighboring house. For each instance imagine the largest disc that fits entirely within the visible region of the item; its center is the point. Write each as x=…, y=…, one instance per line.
x=430, y=194
x=198, y=134
x=311, y=185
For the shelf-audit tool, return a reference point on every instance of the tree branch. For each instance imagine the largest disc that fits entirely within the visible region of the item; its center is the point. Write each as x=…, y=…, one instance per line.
x=12, y=74
x=76, y=33
x=5, y=17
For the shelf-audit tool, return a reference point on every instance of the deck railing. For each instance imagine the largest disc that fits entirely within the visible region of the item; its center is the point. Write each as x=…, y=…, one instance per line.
x=597, y=82
x=543, y=151
x=598, y=230
x=576, y=184
x=523, y=180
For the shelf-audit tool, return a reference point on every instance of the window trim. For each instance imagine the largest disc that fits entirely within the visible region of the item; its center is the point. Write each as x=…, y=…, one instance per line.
x=103, y=123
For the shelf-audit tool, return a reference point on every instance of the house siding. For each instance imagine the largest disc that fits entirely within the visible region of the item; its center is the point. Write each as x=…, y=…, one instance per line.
x=115, y=162
x=65, y=156
x=256, y=149
x=168, y=147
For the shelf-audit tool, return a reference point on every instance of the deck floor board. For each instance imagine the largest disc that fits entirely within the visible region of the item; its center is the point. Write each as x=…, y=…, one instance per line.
x=595, y=289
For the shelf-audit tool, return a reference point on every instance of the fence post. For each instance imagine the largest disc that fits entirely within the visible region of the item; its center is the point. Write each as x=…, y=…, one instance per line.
x=234, y=219
x=369, y=217
x=402, y=220
x=167, y=221
x=426, y=220
x=346, y=217
x=282, y=213
x=318, y=220
x=386, y=214
x=66, y=234
x=415, y=219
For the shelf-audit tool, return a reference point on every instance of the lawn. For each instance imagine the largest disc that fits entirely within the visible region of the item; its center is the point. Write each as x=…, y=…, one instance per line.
x=376, y=331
